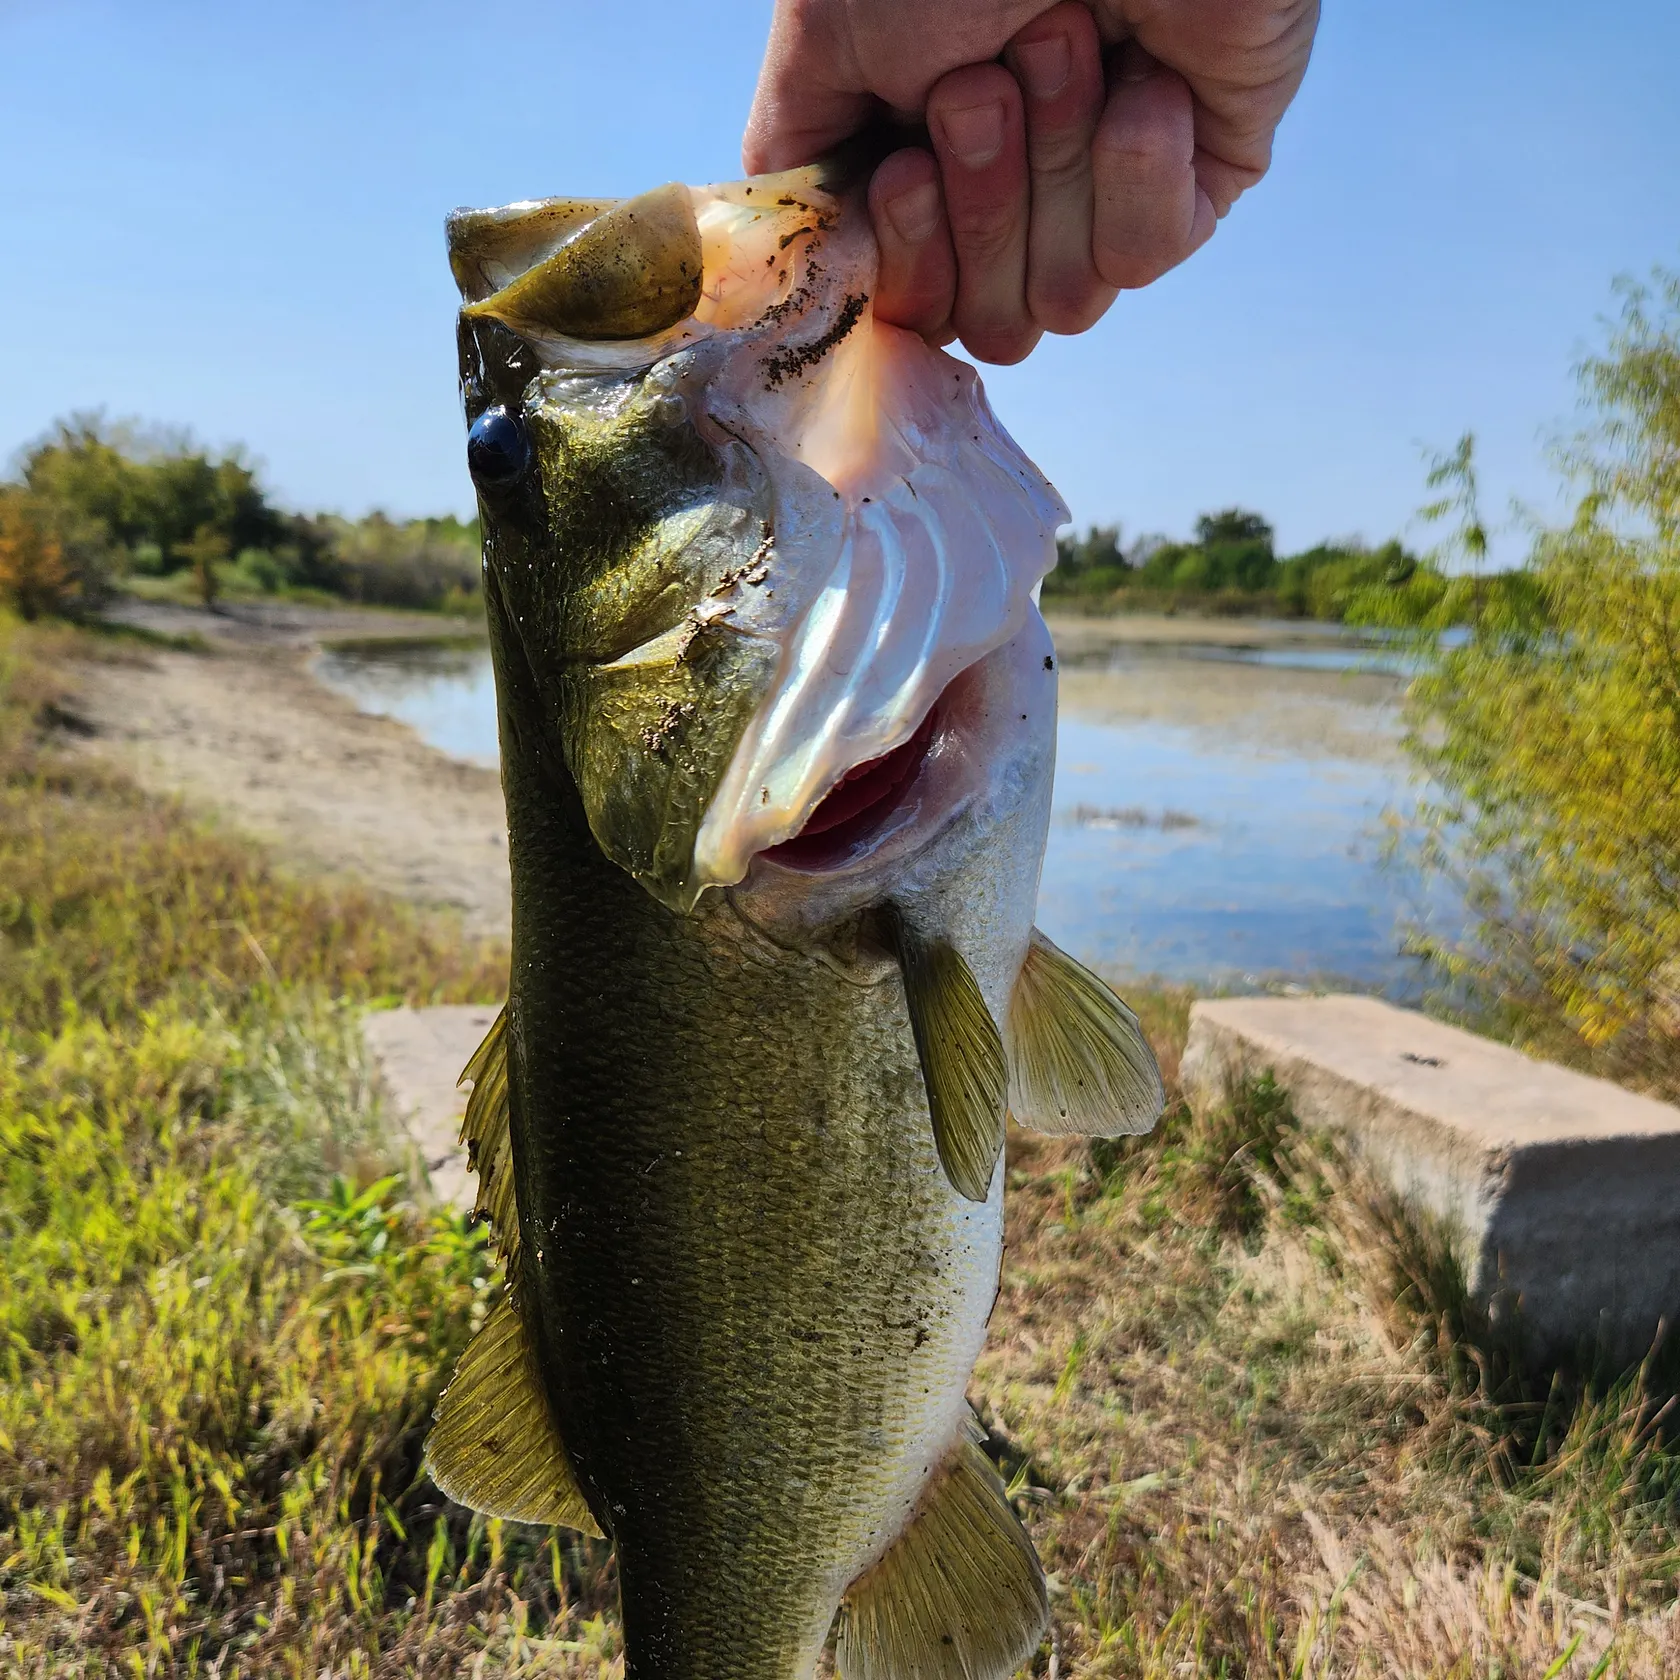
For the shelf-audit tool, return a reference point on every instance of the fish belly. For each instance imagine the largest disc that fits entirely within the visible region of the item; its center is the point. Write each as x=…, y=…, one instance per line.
x=755, y=1296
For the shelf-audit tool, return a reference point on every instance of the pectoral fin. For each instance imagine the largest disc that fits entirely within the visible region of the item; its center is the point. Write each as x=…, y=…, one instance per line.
x=962, y=1059
x=494, y=1446
x=959, y=1597
x=1079, y=1062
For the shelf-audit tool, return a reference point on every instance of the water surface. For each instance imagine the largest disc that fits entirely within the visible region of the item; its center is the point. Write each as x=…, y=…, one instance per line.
x=1218, y=813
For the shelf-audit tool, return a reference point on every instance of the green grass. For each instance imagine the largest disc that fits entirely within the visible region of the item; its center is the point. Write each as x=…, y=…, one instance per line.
x=223, y=1321
x=1239, y=1393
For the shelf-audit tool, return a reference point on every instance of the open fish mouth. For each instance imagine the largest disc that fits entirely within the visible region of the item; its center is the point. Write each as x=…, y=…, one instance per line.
x=869, y=803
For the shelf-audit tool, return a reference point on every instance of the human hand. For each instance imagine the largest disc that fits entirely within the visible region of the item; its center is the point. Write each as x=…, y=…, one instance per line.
x=1097, y=154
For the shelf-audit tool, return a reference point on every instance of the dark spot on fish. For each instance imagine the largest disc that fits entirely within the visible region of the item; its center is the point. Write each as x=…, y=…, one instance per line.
x=788, y=238
x=793, y=361
x=671, y=719
x=923, y=1336
x=1049, y=663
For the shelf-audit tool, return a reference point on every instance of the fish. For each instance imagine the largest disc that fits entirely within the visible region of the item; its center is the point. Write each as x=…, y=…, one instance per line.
x=776, y=710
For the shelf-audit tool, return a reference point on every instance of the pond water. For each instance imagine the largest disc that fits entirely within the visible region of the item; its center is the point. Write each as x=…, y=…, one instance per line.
x=1219, y=818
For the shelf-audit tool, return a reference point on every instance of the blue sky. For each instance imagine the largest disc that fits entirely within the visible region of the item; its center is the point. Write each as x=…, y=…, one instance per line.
x=228, y=217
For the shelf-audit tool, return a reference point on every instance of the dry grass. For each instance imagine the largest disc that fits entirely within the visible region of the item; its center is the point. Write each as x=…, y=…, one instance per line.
x=1244, y=1405
x=1261, y=1433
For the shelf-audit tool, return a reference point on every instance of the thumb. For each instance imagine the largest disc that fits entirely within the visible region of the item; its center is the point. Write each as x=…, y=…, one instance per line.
x=811, y=93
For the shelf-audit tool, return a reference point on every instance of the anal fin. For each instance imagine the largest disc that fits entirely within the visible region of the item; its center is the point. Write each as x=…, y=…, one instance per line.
x=1079, y=1063
x=960, y=1596
x=494, y=1446
x=963, y=1063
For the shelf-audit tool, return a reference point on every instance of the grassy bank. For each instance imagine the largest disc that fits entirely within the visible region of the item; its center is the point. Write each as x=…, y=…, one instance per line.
x=224, y=1321
x=1240, y=1398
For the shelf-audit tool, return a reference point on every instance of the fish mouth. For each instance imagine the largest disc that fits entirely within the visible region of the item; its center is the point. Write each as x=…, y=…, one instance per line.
x=867, y=804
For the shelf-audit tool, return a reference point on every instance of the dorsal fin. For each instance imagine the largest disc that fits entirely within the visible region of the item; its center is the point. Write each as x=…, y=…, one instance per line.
x=1078, y=1063
x=494, y=1446
x=962, y=1058
x=960, y=1596
x=484, y=1130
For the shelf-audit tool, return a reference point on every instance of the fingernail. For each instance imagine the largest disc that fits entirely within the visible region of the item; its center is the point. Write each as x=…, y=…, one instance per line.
x=914, y=214
x=1045, y=65
x=975, y=132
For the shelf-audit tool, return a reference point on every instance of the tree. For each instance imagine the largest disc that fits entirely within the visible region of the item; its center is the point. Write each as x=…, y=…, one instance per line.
x=151, y=487
x=1233, y=525
x=206, y=550
x=1553, y=734
x=1090, y=565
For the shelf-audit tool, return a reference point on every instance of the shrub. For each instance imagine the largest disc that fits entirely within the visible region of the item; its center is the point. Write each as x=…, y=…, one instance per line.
x=53, y=563
x=150, y=487
x=414, y=563
x=1553, y=733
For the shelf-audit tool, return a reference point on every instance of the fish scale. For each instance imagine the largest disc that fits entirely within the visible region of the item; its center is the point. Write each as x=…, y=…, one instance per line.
x=735, y=1146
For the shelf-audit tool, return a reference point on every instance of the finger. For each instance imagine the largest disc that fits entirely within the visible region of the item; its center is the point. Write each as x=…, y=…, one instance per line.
x=974, y=117
x=916, y=286
x=1057, y=59
x=1244, y=60
x=1150, y=210
x=810, y=91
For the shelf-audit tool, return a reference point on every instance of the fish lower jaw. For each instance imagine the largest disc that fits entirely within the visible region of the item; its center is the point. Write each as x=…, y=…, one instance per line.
x=872, y=803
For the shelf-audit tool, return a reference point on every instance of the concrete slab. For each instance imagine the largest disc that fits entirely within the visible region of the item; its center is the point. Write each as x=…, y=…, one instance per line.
x=419, y=1054
x=1562, y=1191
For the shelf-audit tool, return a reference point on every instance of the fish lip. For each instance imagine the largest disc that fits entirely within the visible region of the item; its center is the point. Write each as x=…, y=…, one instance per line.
x=861, y=835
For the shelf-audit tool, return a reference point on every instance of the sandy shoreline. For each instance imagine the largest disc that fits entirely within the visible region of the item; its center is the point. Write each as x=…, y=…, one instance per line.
x=243, y=731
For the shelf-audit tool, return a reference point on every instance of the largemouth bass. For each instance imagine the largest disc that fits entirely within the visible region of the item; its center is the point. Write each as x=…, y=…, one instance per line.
x=777, y=716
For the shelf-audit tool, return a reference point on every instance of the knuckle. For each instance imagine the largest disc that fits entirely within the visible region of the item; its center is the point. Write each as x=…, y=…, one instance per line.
x=1138, y=150
x=986, y=238
x=1059, y=160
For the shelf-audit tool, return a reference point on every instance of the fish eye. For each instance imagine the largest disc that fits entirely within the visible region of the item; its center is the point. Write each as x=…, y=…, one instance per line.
x=498, y=449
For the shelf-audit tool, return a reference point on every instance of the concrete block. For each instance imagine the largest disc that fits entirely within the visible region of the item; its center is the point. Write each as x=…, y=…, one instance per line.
x=419, y=1054
x=1562, y=1191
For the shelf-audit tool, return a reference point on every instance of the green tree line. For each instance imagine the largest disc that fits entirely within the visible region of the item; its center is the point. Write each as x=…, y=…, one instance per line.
x=93, y=502
x=1232, y=566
